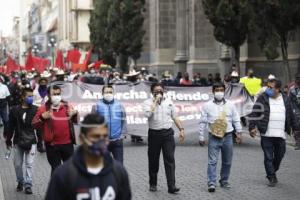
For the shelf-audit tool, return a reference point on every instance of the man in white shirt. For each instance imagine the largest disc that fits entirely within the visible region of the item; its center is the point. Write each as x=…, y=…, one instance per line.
x=4, y=94
x=272, y=115
x=222, y=118
x=160, y=112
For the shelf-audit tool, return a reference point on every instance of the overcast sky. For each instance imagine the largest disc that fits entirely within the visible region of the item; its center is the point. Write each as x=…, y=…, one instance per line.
x=8, y=9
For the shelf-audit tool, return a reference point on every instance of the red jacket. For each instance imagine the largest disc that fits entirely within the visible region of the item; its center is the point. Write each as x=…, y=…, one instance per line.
x=59, y=129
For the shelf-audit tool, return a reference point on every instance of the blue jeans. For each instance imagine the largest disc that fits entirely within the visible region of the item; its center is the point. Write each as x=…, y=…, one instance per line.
x=215, y=145
x=27, y=157
x=116, y=148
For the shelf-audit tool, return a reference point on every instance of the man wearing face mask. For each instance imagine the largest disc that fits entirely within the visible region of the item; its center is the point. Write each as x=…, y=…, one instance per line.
x=294, y=96
x=115, y=116
x=91, y=173
x=40, y=98
x=272, y=115
x=57, y=118
x=161, y=114
x=221, y=117
x=24, y=139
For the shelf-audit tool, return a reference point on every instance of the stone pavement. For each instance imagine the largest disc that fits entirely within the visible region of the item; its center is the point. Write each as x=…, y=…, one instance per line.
x=248, y=176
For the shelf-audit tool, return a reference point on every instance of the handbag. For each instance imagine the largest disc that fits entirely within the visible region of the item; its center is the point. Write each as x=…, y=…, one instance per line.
x=219, y=127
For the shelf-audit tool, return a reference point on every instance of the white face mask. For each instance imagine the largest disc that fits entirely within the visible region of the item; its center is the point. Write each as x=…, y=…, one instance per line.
x=219, y=95
x=56, y=99
x=108, y=97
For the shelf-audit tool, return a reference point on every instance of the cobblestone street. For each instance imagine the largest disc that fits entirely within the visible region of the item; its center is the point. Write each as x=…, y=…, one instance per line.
x=248, y=176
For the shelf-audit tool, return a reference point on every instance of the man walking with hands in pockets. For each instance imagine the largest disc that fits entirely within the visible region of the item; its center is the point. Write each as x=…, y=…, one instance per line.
x=160, y=112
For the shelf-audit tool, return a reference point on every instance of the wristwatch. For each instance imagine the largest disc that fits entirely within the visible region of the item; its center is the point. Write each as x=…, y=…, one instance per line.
x=181, y=129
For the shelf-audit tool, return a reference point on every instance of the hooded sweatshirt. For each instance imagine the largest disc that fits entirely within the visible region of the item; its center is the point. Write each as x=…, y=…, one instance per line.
x=83, y=185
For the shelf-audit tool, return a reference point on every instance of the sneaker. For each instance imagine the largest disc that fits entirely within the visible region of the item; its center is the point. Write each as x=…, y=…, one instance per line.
x=20, y=187
x=153, y=188
x=28, y=190
x=272, y=182
x=211, y=188
x=225, y=185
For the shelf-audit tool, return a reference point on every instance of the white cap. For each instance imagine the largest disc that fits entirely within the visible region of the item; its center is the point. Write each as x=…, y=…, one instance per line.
x=271, y=77
x=234, y=74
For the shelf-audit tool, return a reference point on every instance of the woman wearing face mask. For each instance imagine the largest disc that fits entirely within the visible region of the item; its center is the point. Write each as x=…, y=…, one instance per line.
x=221, y=117
x=115, y=116
x=91, y=172
x=56, y=119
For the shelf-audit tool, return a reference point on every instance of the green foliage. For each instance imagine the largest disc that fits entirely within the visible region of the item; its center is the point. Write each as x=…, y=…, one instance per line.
x=117, y=27
x=230, y=19
x=274, y=22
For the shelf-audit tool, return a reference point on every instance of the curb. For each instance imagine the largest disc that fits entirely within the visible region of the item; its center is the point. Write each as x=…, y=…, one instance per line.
x=1, y=190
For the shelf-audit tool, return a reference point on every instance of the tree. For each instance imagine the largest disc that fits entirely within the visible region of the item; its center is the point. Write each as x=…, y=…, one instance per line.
x=230, y=19
x=99, y=34
x=275, y=21
x=117, y=28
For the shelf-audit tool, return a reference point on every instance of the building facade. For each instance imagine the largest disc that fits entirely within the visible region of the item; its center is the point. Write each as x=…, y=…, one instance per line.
x=180, y=38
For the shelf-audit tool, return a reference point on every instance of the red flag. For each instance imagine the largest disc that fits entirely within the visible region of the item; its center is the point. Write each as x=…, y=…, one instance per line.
x=40, y=64
x=29, y=62
x=59, y=62
x=73, y=56
x=78, y=67
x=11, y=65
x=98, y=64
x=87, y=58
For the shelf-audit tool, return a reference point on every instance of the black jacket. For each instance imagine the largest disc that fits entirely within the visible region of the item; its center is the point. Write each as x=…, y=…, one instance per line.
x=72, y=180
x=17, y=127
x=261, y=114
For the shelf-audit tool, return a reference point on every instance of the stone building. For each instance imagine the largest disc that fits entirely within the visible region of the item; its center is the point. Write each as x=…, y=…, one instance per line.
x=180, y=38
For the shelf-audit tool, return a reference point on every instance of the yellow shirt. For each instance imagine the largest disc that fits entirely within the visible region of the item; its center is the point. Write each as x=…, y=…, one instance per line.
x=253, y=85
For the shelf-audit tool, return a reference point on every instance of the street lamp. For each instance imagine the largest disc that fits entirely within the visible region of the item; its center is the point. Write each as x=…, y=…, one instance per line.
x=52, y=44
x=35, y=49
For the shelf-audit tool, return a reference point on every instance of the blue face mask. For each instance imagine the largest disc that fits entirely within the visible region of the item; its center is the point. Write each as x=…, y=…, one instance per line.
x=98, y=148
x=270, y=92
x=29, y=101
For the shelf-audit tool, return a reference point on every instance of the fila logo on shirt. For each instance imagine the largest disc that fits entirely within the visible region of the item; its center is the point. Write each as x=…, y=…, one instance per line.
x=94, y=194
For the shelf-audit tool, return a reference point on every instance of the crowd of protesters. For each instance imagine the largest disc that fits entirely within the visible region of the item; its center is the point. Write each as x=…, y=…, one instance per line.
x=39, y=119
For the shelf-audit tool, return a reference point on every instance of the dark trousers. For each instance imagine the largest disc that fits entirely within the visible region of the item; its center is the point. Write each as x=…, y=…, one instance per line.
x=116, y=148
x=56, y=154
x=274, y=150
x=4, y=117
x=157, y=141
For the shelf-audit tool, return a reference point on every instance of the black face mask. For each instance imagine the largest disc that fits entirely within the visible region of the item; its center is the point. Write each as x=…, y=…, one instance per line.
x=235, y=80
x=251, y=75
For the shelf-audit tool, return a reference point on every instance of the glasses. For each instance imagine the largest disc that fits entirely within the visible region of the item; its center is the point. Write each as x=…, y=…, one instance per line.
x=56, y=94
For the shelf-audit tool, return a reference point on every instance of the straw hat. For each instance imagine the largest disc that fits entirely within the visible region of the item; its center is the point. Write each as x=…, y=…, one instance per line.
x=45, y=74
x=132, y=73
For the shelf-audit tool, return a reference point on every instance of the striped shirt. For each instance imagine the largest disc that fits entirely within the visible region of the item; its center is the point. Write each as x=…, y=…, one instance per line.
x=276, y=124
